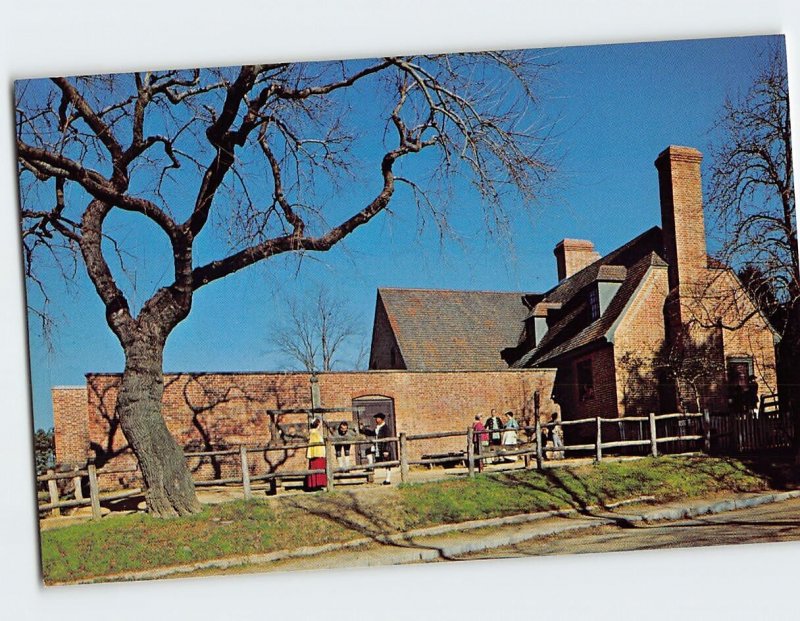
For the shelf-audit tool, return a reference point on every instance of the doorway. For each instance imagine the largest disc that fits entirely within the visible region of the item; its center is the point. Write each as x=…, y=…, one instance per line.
x=364, y=409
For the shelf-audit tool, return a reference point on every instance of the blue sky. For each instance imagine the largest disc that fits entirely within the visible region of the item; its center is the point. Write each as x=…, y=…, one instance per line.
x=614, y=108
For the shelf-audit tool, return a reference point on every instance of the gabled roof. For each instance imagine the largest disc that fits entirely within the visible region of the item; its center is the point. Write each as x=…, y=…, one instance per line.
x=440, y=330
x=572, y=327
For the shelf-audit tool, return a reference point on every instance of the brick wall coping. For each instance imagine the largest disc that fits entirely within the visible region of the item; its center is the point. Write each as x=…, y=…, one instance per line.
x=319, y=373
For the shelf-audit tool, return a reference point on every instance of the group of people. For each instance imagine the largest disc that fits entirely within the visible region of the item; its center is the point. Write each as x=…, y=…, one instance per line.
x=497, y=435
x=494, y=435
x=380, y=450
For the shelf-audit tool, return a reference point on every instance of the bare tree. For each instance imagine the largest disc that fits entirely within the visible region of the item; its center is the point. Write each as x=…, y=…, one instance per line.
x=751, y=192
x=316, y=329
x=751, y=188
x=691, y=366
x=258, y=152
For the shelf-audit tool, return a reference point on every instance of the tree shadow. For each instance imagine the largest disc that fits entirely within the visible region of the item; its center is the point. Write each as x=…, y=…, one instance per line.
x=347, y=510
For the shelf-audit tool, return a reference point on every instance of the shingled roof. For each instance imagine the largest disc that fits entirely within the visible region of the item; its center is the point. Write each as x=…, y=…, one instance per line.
x=572, y=327
x=439, y=330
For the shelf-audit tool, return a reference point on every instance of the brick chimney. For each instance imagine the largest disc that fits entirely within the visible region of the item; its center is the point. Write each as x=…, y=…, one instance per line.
x=682, y=213
x=572, y=255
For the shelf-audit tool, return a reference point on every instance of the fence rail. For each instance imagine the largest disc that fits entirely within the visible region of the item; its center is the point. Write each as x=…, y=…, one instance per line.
x=681, y=431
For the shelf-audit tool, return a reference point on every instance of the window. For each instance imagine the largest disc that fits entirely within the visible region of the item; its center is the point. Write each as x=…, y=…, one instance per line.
x=585, y=381
x=594, y=304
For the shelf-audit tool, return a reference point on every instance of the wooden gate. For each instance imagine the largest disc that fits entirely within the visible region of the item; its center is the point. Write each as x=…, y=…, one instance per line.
x=742, y=432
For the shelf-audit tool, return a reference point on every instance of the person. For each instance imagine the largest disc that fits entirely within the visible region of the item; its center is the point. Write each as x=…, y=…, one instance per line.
x=494, y=425
x=343, y=433
x=384, y=451
x=751, y=395
x=547, y=443
x=316, y=457
x=510, y=434
x=480, y=439
x=557, y=437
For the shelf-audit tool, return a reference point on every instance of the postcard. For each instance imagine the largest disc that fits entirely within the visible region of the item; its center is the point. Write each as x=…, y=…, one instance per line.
x=411, y=309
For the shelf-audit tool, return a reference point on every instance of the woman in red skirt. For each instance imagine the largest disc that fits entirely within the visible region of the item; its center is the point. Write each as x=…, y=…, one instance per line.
x=316, y=458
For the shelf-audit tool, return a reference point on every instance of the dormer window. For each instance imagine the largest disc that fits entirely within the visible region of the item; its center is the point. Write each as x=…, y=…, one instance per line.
x=539, y=319
x=609, y=280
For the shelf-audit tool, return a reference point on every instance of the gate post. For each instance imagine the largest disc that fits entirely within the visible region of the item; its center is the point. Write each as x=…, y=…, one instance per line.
x=403, y=448
x=328, y=462
x=653, y=438
x=470, y=452
x=539, y=452
x=599, y=444
x=94, y=491
x=76, y=482
x=52, y=488
x=248, y=494
x=707, y=431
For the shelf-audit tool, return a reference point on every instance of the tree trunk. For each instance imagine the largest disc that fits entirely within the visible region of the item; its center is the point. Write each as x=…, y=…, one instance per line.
x=169, y=489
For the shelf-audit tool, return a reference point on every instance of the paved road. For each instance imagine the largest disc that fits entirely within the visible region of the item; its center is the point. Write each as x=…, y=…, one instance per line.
x=578, y=534
x=774, y=522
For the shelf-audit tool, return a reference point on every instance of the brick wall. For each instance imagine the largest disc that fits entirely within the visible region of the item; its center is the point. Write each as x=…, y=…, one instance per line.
x=637, y=341
x=745, y=333
x=221, y=410
x=70, y=422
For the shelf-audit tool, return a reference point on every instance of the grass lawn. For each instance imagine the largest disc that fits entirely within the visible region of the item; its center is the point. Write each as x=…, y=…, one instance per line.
x=136, y=542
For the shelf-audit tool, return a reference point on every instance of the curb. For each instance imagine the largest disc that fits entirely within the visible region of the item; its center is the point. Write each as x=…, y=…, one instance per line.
x=456, y=549
x=668, y=515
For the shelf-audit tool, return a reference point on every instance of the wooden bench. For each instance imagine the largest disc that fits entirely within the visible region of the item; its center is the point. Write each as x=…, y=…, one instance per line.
x=280, y=480
x=446, y=460
x=273, y=483
x=367, y=475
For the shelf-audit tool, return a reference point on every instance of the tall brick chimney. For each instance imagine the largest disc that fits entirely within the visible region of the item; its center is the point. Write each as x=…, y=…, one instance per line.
x=681, y=194
x=572, y=255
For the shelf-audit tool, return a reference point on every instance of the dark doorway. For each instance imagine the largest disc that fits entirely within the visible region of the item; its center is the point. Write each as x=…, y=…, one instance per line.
x=739, y=370
x=365, y=409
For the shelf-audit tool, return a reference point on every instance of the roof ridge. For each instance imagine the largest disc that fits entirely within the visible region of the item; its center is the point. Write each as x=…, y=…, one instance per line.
x=445, y=290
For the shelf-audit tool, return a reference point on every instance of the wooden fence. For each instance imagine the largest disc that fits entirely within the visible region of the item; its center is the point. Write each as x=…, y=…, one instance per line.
x=666, y=429
x=768, y=428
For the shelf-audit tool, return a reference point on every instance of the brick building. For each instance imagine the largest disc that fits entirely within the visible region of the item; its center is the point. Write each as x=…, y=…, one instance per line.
x=609, y=339
x=652, y=326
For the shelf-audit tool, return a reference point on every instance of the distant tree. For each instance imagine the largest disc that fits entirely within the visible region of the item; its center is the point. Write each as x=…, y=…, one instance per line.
x=256, y=153
x=44, y=450
x=315, y=329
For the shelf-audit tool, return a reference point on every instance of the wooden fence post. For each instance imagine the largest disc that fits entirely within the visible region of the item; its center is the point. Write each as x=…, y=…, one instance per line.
x=329, y=463
x=470, y=452
x=76, y=482
x=94, y=492
x=52, y=488
x=599, y=444
x=403, y=448
x=248, y=493
x=707, y=431
x=653, y=436
x=539, y=452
